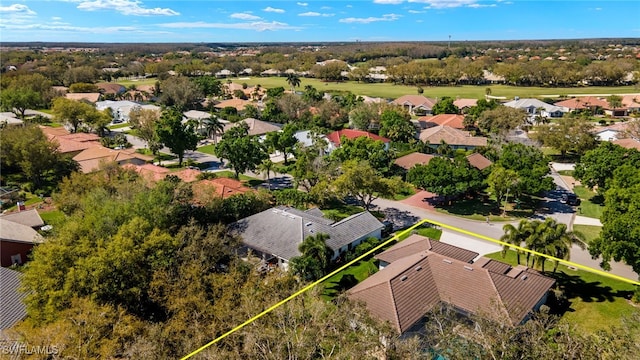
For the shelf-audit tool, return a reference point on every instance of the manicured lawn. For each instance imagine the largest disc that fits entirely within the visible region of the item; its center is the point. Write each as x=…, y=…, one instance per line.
x=251, y=181
x=590, y=232
x=479, y=208
x=52, y=217
x=589, y=202
x=596, y=302
x=118, y=126
x=387, y=90
x=566, y=172
x=150, y=81
x=424, y=230
x=162, y=156
x=207, y=149
x=361, y=270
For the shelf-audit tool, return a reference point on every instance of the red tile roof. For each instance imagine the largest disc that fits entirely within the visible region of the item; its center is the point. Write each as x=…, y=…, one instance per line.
x=90, y=97
x=452, y=120
x=628, y=143
x=351, y=134
x=219, y=187
x=413, y=159
x=150, y=172
x=478, y=161
x=187, y=175
x=583, y=102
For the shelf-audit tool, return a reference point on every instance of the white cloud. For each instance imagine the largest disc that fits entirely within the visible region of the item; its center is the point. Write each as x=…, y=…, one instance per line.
x=325, y=8
x=445, y=4
x=477, y=6
x=256, y=25
x=17, y=9
x=417, y=11
x=388, y=2
x=313, y=13
x=274, y=10
x=385, y=17
x=56, y=18
x=302, y=4
x=244, y=16
x=125, y=7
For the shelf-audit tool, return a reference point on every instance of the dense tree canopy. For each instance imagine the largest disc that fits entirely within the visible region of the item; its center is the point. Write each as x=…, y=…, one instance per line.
x=531, y=165
x=364, y=148
x=445, y=106
x=361, y=180
x=447, y=177
x=595, y=168
x=243, y=152
x=568, y=134
x=501, y=120
x=176, y=135
x=397, y=126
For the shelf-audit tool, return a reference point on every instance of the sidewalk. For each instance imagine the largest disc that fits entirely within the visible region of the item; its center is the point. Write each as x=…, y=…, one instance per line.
x=583, y=220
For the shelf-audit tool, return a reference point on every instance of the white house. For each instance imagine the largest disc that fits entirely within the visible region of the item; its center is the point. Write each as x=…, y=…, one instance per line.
x=531, y=106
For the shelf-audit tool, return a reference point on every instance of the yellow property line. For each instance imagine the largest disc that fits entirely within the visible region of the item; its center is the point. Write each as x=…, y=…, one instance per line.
x=395, y=237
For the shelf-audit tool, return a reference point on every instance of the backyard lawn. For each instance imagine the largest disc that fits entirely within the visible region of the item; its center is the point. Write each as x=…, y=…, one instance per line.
x=52, y=217
x=589, y=202
x=596, y=302
x=207, y=149
x=361, y=270
x=479, y=208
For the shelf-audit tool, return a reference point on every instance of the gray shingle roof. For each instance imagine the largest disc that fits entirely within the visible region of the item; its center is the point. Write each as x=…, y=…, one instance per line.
x=12, y=309
x=29, y=218
x=279, y=231
x=12, y=231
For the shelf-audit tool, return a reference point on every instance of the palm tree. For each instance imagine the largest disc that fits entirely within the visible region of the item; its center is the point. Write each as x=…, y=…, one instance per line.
x=293, y=80
x=213, y=127
x=534, y=239
x=515, y=236
x=315, y=259
x=557, y=241
x=266, y=166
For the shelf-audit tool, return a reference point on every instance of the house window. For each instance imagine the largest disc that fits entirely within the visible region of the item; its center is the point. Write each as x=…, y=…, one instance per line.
x=16, y=259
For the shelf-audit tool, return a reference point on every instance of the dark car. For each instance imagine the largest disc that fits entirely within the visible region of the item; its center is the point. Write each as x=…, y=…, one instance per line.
x=572, y=199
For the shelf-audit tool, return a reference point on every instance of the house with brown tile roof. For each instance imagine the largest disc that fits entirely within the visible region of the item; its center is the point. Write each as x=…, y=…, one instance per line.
x=256, y=127
x=90, y=97
x=239, y=104
x=335, y=138
x=478, y=161
x=452, y=120
x=631, y=102
x=628, y=143
x=218, y=187
x=110, y=88
x=409, y=286
x=409, y=161
x=90, y=159
x=415, y=104
x=149, y=172
x=73, y=144
x=465, y=104
x=457, y=139
x=582, y=103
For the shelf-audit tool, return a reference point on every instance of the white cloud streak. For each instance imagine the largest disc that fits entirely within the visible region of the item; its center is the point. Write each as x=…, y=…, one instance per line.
x=244, y=16
x=125, y=7
x=313, y=13
x=17, y=9
x=368, y=20
x=273, y=10
x=256, y=25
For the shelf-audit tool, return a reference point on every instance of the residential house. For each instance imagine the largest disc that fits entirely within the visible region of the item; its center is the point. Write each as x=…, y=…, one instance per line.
x=582, y=103
x=536, y=107
x=219, y=187
x=306, y=137
x=335, y=138
x=276, y=233
x=256, y=127
x=492, y=78
x=70, y=144
x=452, y=120
x=12, y=307
x=16, y=241
x=30, y=218
x=224, y=73
x=409, y=161
x=628, y=143
x=416, y=104
x=464, y=104
x=150, y=172
x=121, y=108
x=90, y=159
x=611, y=132
x=238, y=104
x=110, y=88
x=478, y=161
x=457, y=139
x=631, y=102
x=89, y=97
x=270, y=72
x=420, y=274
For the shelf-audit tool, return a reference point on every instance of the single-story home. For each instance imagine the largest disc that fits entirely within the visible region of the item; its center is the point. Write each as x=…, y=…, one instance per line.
x=122, y=108
x=70, y=144
x=611, y=132
x=110, y=88
x=628, y=143
x=455, y=138
x=416, y=104
x=218, y=187
x=238, y=104
x=150, y=172
x=531, y=106
x=478, y=161
x=409, y=161
x=452, y=120
x=90, y=159
x=256, y=127
x=335, y=138
x=464, y=104
x=90, y=97
x=276, y=233
x=631, y=102
x=582, y=103
x=420, y=273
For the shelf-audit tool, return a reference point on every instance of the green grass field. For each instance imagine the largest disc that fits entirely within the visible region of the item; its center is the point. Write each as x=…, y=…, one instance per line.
x=590, y=232
x=392, y=91
x=207, y=149
x=588, y=207
x=596, y=302
x=361, y=270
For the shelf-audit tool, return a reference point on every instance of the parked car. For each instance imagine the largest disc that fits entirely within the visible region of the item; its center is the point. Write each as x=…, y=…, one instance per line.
x=570, y=199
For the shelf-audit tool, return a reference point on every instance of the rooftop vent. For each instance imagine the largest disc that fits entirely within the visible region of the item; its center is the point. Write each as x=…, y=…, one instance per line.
x=468, y=268
x=403, y=278
x=447, y=261
x=308, y=224
x=524, y=277
x=418, y=268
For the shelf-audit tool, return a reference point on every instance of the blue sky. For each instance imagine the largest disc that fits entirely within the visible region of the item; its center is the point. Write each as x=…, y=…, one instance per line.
x=281, y=21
